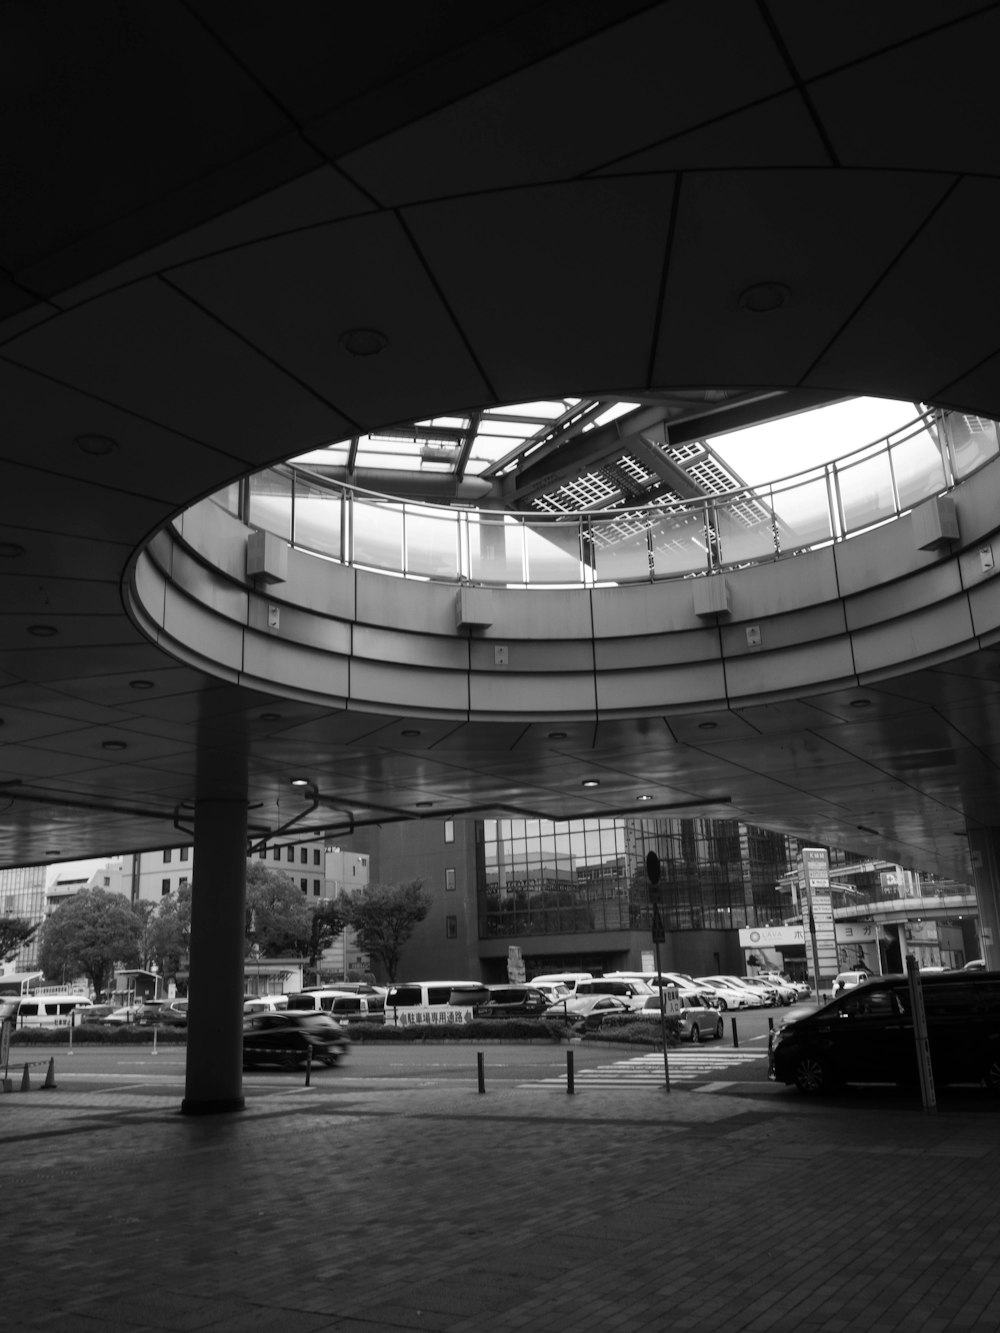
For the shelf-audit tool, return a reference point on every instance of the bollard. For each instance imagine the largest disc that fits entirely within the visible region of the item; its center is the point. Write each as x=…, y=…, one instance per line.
x=770, y=1033
x=309, y=1066
x=736, y=1037
x=482, y=1072
x=25, y=1080
x=50, y=1075
x=70, y=1052
x=155, y=1030
x=569, y=1074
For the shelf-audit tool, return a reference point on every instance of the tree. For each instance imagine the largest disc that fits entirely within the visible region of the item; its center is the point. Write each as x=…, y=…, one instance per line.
x=384, y=916
x=279, y=920
x=168, y=936
x=329, y=919
x=90, y=933
x=15, y=931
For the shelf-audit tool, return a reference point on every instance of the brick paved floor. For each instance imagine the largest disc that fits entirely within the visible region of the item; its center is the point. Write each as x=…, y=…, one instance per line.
x=442, y=1210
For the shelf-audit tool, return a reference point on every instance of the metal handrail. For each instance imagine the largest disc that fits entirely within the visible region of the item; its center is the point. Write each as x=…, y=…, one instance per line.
x=827, y=503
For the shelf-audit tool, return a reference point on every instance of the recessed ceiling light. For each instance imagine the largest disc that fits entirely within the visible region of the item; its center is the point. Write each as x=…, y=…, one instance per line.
x=42, y=631
x=113, y=745
x=591, y=782
x=707, y=726
x=98, y=446
x=763, y=297
x=411, y=732
x=300, y=782
x=557, y=735
x=644, y=797
x=861, y=703
x=363, y=342
x=269, y=717
x=53, y=851
x=10, y=550
x=424, y=805
x=140, y=684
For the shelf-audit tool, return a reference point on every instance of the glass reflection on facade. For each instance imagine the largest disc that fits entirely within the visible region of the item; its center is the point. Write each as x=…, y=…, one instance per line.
x=541, y=878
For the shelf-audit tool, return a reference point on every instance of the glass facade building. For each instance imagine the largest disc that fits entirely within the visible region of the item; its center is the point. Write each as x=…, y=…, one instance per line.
x=536, y=877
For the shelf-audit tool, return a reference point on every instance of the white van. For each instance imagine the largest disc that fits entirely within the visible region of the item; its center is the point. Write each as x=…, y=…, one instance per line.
x=51, y=1011
x=433, y=1002
x=567, y=980
x=344, y=1006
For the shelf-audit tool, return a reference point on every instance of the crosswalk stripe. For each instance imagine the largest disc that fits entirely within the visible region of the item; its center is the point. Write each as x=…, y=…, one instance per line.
x=647, y=1070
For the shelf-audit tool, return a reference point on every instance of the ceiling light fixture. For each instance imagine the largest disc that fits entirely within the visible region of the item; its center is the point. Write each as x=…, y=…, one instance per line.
x=644, y=797
x=42, y=631
x=11, y=551
x=269, y=717
x=363, y=342
x=98, y=446
x=591, y=782
x=424, y=805
x=763, y=297
x=113, y=745
x=300, y=782
x=140, y=684
x=411, y=732
x=557, y=735
x=861, y=703
x=53, y=851
x=707, y=726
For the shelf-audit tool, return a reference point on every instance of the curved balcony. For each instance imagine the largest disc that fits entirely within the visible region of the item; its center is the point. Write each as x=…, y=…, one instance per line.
x=871, y=486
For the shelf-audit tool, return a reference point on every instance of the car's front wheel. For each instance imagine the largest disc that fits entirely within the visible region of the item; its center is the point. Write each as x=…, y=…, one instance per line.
x=720, y=1028
x=695, y=1035
x=723, y=1003
x=813, y=1074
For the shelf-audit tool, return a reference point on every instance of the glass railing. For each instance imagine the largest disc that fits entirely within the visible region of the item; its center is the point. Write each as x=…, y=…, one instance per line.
x=871, y=486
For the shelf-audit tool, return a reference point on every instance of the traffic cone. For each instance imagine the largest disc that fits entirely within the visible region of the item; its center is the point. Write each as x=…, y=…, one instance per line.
x=25, y=1080
x=50, y=1076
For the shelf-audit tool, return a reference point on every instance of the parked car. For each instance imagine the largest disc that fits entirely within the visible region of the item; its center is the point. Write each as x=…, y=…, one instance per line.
x=632, y=991
x=96, y=1014
x=587, y=1012
x=344, y=1006
x=866, y=1035
x=288, y=1039
x=696, y=1020
x=729, y=995
x=264, y=1004
x=848, y=980
x=163, y=1013
x=771, y=993
x=802, y=989
x=513, y=1001
x=787, y=993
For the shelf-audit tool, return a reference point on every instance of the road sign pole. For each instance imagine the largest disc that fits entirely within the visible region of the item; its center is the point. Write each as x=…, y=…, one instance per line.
x=663, y=1012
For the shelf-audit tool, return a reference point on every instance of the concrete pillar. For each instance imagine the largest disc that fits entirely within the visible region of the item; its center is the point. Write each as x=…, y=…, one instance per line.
x=984, y=847
x=214, y=1077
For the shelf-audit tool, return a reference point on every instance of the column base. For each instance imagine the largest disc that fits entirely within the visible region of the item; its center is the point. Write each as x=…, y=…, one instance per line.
x=217, y=1106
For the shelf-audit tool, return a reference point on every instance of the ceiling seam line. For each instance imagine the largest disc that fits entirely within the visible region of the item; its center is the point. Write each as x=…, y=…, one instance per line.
x=257, y=351
x=880, y=280
x=801, y=86
x=445, y=303
x=116, y=407
x=668, y=246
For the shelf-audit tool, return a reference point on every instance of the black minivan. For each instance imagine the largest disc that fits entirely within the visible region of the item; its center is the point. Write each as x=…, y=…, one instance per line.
x=866, y=1035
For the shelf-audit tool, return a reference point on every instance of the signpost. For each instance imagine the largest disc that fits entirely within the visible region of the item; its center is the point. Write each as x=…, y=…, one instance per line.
x=659, y=936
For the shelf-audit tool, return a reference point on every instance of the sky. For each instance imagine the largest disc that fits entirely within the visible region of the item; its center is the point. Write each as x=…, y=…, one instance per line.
x=779, y=449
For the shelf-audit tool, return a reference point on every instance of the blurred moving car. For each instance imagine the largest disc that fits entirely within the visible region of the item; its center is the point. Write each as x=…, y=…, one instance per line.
x=288, y=1039
x=163, y=1013
x=587, y=1011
